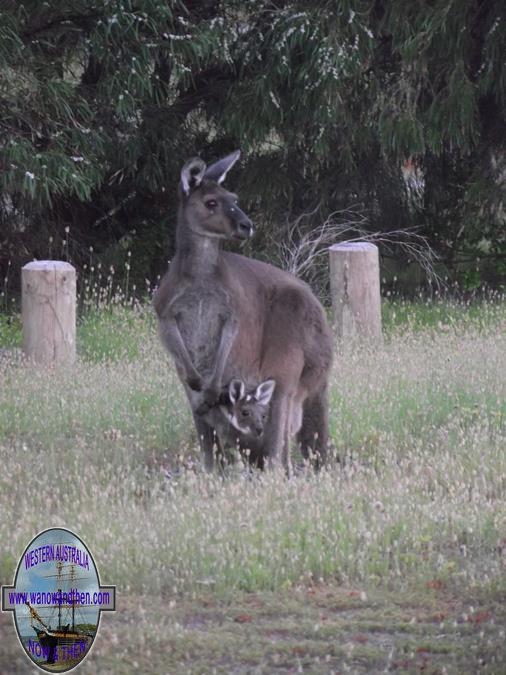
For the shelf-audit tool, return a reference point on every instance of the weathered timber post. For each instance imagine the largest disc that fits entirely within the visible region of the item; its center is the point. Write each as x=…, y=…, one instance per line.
x=49, y=311
x=355, y=290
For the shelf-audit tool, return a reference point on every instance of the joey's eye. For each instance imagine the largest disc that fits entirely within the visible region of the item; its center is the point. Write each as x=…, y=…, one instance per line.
x=211, y=203
x=264, y=417
x=245, y=413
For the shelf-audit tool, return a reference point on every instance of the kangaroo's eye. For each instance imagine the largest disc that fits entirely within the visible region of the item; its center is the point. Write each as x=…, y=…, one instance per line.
x=211, y=203
x=245, y=413
x=264, y=417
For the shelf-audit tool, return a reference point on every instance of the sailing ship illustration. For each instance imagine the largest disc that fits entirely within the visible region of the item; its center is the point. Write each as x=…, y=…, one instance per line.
x=64, y=642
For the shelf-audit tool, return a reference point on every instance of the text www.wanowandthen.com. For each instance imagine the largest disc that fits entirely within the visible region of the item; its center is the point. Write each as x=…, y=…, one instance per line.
x=71, y=597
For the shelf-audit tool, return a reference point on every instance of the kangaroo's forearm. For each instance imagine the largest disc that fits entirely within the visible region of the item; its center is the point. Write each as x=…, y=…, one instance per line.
x=228, y=334
x=176, y=346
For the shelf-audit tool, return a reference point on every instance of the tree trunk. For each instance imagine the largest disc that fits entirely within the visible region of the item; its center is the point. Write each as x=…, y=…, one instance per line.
x=49, y=311
x=355, y=290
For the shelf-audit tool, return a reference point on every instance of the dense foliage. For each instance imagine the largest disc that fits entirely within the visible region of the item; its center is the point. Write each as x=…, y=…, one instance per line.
x=397, y=106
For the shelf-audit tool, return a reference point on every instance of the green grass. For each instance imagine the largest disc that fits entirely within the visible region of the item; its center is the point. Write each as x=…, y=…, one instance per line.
x=115, y=333
x=418, y=502
x=111, y=331
x=441, y=314
x=10, y=331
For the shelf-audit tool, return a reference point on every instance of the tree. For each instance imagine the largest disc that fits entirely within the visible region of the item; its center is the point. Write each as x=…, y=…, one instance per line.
x=100, y=102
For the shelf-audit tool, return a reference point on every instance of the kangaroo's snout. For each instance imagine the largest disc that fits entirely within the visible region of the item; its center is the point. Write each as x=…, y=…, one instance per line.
x=245, y=228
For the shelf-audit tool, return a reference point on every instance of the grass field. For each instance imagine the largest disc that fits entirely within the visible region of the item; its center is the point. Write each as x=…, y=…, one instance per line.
x=393, y=559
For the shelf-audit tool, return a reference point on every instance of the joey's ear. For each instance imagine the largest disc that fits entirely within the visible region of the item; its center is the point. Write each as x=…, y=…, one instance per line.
x=219, y=170
x=236, y=390
x=192, y=174
x=264, y=391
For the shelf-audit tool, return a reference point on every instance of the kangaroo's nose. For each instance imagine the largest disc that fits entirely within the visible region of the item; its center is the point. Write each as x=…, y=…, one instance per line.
x=245, y=227
x=259, y=431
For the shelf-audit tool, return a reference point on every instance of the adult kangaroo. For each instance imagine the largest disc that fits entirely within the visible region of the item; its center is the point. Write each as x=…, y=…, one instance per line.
x=224, y=316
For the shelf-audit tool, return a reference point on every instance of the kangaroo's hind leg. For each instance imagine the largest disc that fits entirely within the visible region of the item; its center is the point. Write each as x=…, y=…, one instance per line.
x=313, y=435
x=273, y=446
x=208, y=441
x=284, y=364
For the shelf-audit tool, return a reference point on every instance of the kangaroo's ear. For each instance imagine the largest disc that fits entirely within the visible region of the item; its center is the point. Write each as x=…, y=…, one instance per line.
x=219, y=170
x=236, y=390
x=192, y=174
x=264, y=391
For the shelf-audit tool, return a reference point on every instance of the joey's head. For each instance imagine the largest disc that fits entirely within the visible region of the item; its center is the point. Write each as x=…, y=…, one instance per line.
x=248, y=410
x=208, y=209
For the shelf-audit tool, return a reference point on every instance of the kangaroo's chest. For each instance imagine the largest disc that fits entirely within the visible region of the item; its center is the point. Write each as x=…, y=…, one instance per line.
x=200, y=313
